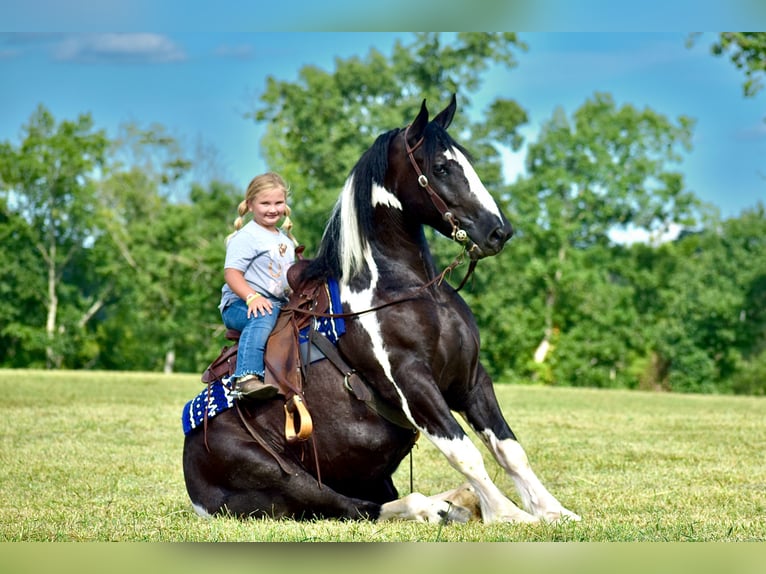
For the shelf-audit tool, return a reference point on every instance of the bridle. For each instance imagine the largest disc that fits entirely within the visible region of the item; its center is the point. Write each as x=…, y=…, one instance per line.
x=458, y=234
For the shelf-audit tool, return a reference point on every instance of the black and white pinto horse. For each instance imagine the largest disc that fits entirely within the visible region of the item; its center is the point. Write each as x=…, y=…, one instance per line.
x=418, y=349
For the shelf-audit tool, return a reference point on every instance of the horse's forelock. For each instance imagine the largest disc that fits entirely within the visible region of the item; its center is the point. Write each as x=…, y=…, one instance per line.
x=436, y=139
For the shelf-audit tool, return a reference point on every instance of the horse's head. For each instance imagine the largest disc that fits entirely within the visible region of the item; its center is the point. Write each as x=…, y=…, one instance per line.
x=436, y=178
x=418, y=176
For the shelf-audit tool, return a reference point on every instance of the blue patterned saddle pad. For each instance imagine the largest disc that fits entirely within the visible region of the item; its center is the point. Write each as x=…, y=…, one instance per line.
x=214, y=399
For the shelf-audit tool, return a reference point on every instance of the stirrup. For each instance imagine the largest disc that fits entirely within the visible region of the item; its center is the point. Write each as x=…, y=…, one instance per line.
x=305, y=426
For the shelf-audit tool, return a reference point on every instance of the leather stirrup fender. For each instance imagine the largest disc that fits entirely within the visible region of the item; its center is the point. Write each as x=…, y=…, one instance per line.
x=294, y=405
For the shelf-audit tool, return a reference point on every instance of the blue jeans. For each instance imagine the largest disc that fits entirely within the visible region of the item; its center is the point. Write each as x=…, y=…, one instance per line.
x=255, y=332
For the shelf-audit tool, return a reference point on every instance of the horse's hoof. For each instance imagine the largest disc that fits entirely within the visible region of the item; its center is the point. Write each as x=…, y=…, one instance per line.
x=456, y=514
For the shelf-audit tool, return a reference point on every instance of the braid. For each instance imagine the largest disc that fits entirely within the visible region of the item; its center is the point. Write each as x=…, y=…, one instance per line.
x=287, y=225
x=239, y=221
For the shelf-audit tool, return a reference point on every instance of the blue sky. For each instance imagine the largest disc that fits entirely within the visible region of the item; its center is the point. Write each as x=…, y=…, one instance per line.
x=199, y=85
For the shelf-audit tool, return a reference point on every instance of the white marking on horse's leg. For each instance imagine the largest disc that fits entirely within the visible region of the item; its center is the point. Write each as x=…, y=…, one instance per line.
x=201, y=511
x=466, y=459
x=475, y=184
x=535, y=497
x=415, y=506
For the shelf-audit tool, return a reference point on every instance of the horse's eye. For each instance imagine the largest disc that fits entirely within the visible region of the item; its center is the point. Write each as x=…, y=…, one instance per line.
x=440, y=170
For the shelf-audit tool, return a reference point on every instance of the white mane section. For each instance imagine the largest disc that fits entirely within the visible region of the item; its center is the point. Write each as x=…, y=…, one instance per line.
x=352, y=246
x=381, y=196
x=474, y=183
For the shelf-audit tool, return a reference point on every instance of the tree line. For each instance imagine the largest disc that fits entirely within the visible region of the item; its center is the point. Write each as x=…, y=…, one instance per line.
x=112, y=252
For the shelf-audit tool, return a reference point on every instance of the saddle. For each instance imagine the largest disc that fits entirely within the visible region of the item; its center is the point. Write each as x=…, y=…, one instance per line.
x=284, y=367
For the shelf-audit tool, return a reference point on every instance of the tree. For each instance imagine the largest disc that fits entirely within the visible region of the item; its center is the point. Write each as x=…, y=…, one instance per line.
x=144, y=203
x=49, y=182
x=747, y=51
x=20, y=285
x=92, y=209
x=607, y=167
x=715, y=304
x=167, y=318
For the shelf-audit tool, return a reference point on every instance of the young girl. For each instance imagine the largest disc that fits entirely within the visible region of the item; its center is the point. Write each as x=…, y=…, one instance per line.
x=257, y=258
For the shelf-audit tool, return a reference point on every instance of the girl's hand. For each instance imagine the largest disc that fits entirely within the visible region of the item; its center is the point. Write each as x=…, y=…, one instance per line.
x=258, y=305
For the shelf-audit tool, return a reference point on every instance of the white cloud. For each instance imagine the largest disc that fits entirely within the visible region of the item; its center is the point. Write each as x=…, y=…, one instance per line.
x=119, y=48
x=631, y=235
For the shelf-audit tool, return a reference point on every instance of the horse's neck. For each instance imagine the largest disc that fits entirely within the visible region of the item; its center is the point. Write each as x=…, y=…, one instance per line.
x=405, y=259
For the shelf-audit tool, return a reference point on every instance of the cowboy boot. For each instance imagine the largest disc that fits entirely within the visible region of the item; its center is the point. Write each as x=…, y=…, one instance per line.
x=253, y=386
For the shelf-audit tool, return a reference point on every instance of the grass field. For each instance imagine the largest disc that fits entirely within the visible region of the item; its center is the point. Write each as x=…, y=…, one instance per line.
x=94, y=456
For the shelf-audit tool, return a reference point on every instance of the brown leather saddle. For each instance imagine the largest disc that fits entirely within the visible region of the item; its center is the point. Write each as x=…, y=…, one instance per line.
x=284, y=367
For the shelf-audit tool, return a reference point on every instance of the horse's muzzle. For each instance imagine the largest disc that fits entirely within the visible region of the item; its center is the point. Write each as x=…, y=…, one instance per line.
x=493, y=243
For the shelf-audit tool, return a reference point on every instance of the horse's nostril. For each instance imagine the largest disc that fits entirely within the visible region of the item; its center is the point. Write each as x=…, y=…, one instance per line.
x=500, y=235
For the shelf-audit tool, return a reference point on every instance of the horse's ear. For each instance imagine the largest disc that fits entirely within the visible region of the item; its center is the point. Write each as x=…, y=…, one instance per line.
x=418, y=125
x=444, y=118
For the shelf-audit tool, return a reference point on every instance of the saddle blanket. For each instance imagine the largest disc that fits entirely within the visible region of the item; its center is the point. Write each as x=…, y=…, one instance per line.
x=214, y=399
x=330, y=327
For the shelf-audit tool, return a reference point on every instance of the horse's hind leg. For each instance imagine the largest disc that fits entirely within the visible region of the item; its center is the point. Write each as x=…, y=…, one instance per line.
x=483, y=414
x=299, y=497
x=236, y=476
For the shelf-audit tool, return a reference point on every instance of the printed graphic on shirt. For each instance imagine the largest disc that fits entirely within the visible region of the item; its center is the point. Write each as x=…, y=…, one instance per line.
x=277, y=268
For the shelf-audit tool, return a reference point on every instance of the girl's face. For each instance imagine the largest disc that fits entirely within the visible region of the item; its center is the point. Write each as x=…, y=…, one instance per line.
x=268, y=207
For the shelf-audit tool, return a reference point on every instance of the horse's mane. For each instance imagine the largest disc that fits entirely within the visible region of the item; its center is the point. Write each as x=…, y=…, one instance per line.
x=346, y=236
x=350, y=226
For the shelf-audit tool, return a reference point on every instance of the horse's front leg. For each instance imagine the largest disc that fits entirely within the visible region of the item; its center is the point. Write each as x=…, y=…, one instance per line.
x=463, y=455
x=483, y=413
x=431, y=415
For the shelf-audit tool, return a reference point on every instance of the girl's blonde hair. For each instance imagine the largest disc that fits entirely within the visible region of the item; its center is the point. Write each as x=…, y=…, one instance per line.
x=263, y=182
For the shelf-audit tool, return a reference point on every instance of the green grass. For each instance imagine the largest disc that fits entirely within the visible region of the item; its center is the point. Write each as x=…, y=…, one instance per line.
x=94, y=456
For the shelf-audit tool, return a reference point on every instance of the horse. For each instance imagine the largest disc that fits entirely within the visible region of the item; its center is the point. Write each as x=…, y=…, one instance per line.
x=412, y=339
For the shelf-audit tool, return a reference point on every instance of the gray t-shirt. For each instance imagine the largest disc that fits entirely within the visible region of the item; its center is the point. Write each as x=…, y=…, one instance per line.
x=263, y=257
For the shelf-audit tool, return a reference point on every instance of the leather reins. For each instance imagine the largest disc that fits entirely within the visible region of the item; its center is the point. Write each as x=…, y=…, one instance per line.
x=436, y=280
